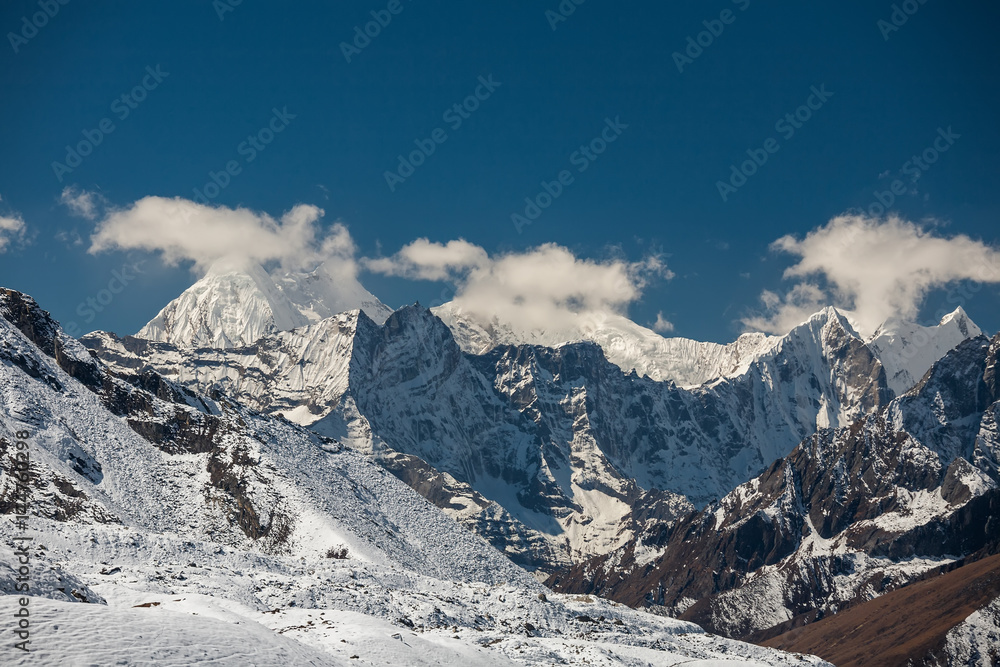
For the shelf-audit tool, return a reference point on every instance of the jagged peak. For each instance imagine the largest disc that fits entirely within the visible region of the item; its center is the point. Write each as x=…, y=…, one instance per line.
x=958, y=317
x=832, y=314
x=416, y=317
x=24, y=313
x=907, y=350
x=962, y=321
x=819, y=322
x=957, y=314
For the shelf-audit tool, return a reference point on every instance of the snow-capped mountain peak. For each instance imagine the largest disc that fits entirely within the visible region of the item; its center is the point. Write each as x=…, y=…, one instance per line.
x=235, y=305
x=907, y=350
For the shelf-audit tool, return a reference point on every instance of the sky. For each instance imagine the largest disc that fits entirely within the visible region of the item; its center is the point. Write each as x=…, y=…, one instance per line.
x=736, y=161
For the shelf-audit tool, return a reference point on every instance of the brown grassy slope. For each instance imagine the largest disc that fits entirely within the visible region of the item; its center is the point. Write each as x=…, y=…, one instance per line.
x=903, y=625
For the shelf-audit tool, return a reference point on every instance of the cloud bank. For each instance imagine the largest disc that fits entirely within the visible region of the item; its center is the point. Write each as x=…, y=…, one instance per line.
x=546, y=287
x=873, y=268
x=205, y=235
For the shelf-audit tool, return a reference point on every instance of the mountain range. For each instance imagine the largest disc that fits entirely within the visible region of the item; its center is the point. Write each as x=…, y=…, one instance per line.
x=182, y=527
x=545, y=450
x=751, y=488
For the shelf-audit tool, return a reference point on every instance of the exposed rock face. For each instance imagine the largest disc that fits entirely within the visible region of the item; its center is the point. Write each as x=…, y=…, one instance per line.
x=848, y=514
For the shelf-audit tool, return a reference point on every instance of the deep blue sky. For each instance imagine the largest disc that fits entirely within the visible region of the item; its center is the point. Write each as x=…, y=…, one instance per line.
x=653, y=188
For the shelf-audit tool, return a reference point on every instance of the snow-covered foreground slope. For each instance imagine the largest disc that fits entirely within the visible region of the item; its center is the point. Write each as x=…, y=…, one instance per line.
x=217, y=535
x=234, y=306
x=74, y=634
x=177, y=601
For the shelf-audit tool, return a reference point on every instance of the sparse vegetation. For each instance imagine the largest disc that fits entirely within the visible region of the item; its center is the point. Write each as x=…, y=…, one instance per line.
x=339, y=553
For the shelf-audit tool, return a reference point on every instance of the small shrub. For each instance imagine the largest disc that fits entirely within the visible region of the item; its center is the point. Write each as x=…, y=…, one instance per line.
x=339, y=553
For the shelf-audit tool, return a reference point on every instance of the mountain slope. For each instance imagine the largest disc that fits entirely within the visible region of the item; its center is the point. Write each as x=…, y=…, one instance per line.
x=140, y=451
x=919, y=624
x=849, y=514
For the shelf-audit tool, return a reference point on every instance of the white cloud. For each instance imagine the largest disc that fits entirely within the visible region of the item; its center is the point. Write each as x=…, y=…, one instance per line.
x=69, y=237
x=81, y=203
x=12, y=228
x=424, y=260
x=783, y=313
x=662, y=325
x=876, y=269
x=542, y=288
x=185, y=230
